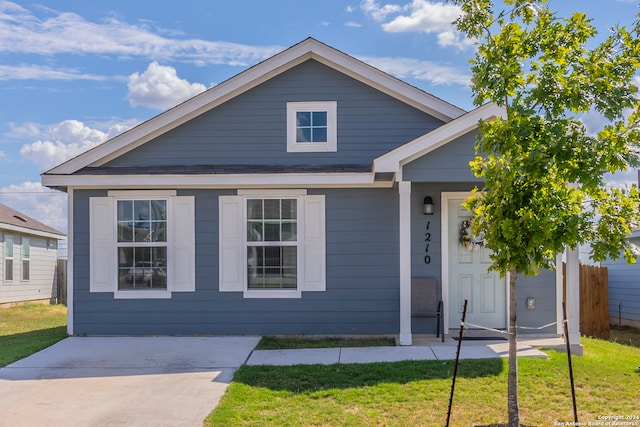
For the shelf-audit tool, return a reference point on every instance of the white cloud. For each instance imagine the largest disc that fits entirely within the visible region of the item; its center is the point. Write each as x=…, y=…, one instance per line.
x=378, y=12
x=41, y=203
x=423, y=16
x=22, y=31
x=160, y=87
x=431, y=72
x=67, y=139
x=2, y=154
x=353, y=24
x=37, y=72
x=24, y=130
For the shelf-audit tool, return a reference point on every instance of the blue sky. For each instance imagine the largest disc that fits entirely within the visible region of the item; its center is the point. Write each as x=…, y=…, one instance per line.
x=75, y=73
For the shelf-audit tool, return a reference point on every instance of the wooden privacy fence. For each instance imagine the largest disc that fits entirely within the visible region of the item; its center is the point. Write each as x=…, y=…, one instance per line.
x=61, y=281
x=594, y=300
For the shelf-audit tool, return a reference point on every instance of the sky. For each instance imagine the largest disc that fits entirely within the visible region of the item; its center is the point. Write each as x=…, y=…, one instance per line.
x=75, y=73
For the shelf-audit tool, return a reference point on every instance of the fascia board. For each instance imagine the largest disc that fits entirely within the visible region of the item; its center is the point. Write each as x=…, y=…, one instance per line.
x=309, y=48
x=182, y=113
x=395, y=159
x=25, y=230
x=285, y=180
x=385, y=83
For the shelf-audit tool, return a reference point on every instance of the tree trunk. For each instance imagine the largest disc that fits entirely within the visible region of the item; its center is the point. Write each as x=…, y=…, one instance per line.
x=512, y=393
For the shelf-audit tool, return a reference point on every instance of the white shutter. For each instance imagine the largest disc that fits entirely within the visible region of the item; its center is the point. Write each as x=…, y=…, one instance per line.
x=314, y=245
x=102, y=240
x=231, y=223
x=183, y=246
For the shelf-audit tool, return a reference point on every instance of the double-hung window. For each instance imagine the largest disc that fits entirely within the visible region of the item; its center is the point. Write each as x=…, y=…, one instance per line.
x=8, y=258
x=312, y=126
x=272, y=243
x=26, y=258
x=142, y=243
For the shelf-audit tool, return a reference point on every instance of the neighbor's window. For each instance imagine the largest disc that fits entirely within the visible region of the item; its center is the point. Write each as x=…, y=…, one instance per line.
x=142, y=244
x=26, y=257
x=272, y=243
x=312, y=126
x=8, y=258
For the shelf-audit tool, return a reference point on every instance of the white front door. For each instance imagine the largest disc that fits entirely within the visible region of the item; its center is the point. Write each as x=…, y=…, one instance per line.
x=468, y=277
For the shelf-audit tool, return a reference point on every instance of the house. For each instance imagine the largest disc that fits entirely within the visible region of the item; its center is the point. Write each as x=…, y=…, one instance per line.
x=289, y=199
x=624, y=289
x=29, y=254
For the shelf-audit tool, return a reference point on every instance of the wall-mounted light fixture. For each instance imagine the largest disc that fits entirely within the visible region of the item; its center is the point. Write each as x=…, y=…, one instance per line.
x=428, y=206
x=531, y=303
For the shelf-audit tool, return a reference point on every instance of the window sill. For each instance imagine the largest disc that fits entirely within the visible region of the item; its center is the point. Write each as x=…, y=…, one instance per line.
x=142, y=294
x=272, y=293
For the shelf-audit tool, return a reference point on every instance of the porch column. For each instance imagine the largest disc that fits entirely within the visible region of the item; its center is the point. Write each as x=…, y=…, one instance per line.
x=573, y=300
x=404, y=189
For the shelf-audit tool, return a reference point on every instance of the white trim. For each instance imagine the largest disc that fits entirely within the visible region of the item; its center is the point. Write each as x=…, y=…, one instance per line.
x=272, y=293
x=272, y=193
x=329, y=107
x=404, y=192
x=395, y=159
x=70, y=252
x=250, y=78
x=31, y=231
x=142, y=294
x=141, y=193
x=221, y=181
x=573, y=296
x=559, y=294
x=298, y=244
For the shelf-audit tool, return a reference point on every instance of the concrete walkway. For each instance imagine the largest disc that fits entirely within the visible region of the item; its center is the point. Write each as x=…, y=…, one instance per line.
x=173, y=381
x=423, y=349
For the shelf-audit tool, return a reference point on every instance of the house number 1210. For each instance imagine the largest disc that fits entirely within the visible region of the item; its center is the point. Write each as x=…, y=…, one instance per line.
x=427, y=239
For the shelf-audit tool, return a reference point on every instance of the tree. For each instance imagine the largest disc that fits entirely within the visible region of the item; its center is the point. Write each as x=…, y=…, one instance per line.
x=543, y=171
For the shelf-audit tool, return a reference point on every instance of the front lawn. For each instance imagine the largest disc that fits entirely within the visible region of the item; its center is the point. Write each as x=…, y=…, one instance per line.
x=417, y=393
x=28, y=328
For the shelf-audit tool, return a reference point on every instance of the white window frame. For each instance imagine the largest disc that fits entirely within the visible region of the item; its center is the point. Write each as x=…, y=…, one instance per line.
x=7, y=238
x=272, y=293
x=125, y=293
x=26, y=259
x=103, y=264
x=331, y=108
x=311, y=243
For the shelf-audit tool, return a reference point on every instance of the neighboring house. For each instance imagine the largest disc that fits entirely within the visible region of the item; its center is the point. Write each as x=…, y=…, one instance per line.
x=288, y=199
x=624, y=289
x=29, y=255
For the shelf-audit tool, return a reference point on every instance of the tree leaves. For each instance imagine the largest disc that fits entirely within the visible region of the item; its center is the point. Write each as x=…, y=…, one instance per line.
x=543, y=172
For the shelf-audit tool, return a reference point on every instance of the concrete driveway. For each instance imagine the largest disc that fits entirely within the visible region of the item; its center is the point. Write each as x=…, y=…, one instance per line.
x=121, y=381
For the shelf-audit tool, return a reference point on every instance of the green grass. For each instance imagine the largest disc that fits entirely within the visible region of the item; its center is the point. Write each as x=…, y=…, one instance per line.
x=273, y=343
x=28, y=328
x=417, y=393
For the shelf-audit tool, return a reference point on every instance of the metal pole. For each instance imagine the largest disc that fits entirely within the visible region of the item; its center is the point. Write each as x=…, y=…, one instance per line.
x=455, y=366
x=566, y=334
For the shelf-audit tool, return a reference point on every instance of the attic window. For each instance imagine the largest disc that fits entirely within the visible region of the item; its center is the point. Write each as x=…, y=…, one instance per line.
x=312, y=126
x=20, y=218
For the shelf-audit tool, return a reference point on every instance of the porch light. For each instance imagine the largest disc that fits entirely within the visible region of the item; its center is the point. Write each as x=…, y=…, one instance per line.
x=428, y=206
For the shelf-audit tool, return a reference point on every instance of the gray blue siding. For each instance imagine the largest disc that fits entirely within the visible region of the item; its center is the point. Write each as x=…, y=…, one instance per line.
x=362, y=295
x=449, y=163
x=624, y=287
x=251, y=128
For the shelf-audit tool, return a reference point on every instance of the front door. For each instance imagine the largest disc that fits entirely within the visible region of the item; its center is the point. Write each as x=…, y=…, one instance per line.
x=468, y=275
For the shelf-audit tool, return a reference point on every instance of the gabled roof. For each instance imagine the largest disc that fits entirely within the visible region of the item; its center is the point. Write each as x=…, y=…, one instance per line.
x=394, y=160
x=248, y=79
x=11, y=219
